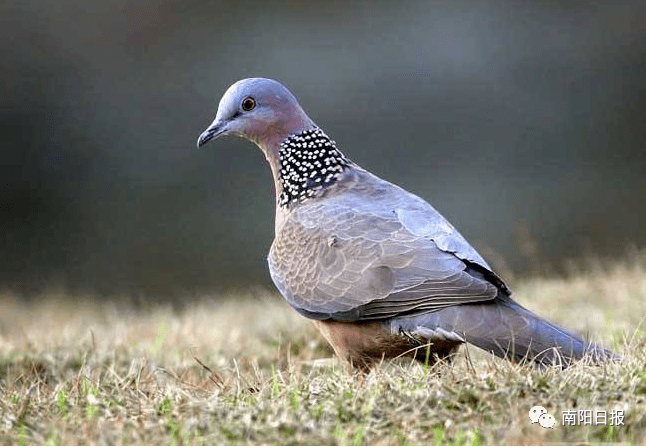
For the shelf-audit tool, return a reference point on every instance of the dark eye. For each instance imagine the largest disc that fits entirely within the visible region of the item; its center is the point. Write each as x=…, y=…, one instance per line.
x=248, y=104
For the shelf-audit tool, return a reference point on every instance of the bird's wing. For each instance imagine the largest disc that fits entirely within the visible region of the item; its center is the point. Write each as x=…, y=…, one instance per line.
x=373, y=258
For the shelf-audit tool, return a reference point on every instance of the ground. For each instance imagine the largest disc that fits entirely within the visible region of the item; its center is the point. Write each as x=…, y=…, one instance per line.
x=249, y=370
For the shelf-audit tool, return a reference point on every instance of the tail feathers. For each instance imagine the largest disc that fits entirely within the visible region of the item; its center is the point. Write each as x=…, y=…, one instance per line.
x=510, y=331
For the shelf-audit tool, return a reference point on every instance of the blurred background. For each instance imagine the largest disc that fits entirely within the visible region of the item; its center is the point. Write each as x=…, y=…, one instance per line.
x=522, y=122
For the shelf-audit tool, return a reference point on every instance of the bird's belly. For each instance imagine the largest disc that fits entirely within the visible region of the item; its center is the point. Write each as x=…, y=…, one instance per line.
x=365, y=343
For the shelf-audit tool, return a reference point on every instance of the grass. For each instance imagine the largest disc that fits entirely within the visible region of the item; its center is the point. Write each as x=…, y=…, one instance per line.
x=249, y=370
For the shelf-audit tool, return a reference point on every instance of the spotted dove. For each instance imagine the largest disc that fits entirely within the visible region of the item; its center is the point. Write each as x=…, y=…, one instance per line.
x=378, y=269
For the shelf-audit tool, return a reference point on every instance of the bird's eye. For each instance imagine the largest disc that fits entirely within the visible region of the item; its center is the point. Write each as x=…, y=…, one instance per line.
x=248, y=104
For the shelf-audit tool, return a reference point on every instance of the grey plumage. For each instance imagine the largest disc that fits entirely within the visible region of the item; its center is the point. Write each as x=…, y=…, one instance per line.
x=354, y=249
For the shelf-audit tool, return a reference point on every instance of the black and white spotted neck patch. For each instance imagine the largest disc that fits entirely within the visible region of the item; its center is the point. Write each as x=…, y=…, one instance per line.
x=309, y=162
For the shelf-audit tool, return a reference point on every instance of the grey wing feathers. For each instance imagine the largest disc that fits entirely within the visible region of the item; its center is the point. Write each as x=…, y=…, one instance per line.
x=353, y=258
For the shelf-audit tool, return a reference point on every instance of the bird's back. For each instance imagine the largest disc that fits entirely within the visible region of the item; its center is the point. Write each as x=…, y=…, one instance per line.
x=365, y=239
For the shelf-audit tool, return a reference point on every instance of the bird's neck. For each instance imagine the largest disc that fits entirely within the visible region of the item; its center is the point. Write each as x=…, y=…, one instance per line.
x=308, y=162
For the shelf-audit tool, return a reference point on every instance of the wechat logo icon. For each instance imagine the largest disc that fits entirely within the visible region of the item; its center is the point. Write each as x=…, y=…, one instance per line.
x=539, y=414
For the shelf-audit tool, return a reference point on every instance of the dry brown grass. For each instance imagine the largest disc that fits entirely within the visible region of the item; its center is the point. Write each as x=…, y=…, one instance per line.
x=248, y=369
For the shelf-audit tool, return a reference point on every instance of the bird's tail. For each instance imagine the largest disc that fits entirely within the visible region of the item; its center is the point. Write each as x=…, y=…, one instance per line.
x=510, y=331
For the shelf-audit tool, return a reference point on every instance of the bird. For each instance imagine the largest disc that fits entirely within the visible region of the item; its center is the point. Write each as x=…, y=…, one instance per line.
x=381, y=273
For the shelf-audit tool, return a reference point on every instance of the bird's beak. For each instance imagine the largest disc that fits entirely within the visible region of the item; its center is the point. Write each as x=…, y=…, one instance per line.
x=215, y=130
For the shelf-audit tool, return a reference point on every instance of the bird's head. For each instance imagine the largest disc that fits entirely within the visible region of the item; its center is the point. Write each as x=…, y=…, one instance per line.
x=258, y=109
